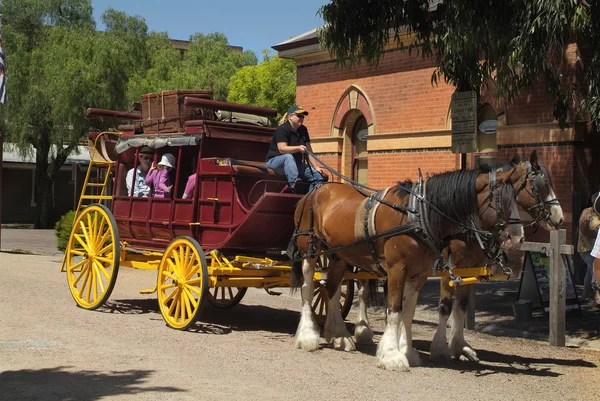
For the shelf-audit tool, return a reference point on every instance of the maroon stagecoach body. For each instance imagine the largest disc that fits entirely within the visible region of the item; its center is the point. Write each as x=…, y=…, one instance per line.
x=238, y=203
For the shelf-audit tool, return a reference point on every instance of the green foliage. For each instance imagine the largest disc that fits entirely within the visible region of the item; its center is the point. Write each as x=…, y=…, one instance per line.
x=58, y=65
x=63, y=229
x=507, y=45
x=163, y=64
x=208, y=64
x=272, y=83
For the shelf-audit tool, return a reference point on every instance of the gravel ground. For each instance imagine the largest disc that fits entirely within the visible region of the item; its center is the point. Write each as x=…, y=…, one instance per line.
x=52, y=350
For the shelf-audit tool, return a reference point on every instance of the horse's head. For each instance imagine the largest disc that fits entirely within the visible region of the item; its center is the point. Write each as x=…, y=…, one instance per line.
x=535, y=193
x=498, y=211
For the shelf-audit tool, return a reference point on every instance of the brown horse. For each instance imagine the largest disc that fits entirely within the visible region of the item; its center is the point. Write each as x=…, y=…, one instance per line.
x=330, y=217
x=535, y=195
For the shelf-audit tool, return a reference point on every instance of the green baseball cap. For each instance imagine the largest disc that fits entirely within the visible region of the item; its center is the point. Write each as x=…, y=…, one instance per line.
x=295, y=109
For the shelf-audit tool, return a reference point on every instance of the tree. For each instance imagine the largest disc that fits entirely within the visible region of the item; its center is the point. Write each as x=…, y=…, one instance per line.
x=163, y=64
x=58, y=65
x=210, y=63
x=505, y=44
x=272, y=83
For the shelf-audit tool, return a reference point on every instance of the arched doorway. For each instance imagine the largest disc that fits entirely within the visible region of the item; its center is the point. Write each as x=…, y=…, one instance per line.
x=360, y=162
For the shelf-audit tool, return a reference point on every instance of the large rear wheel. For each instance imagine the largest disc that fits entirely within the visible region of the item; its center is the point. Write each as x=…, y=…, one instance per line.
x=225, y=297
x=320, y=301
x=182, y=283
x=93, y=253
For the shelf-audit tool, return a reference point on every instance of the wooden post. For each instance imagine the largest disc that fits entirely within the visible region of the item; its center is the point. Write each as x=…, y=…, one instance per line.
x=558, y=288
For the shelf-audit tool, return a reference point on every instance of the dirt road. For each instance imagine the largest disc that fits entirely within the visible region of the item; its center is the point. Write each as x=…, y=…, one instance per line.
x=52, y=350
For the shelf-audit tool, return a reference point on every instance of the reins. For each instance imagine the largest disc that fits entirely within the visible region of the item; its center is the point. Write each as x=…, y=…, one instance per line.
x=397, y=207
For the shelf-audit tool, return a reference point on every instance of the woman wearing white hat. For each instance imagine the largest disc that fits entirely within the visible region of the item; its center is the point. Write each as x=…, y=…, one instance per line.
x=158, y=176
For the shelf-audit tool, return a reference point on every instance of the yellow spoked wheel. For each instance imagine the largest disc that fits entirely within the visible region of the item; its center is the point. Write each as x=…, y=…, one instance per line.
x=93, y=255
x=225, y=297
x=182, y=283
x=320, y=300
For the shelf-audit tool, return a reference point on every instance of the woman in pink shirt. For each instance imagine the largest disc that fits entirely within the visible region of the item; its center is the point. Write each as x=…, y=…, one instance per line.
x=158, y=177
x=189, y=187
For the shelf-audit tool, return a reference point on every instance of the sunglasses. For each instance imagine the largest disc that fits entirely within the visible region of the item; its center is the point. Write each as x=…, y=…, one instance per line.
x=301, y=116
x=146, y=157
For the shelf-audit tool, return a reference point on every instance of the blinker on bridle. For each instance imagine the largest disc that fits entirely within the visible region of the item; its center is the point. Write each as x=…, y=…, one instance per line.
x=537, y=180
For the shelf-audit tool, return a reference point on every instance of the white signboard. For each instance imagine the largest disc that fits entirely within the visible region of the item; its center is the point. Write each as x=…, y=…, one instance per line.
x=488, y=127
x=464, y=122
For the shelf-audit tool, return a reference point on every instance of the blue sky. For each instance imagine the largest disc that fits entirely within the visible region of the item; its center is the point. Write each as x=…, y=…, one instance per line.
x=253, y=24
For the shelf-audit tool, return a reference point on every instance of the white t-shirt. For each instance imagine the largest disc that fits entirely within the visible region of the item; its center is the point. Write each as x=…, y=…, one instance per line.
x=140, y=188
x=596, y=251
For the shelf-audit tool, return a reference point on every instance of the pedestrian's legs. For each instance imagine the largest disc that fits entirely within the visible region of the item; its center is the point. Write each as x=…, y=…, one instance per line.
x=285, y=164
x=311, y=175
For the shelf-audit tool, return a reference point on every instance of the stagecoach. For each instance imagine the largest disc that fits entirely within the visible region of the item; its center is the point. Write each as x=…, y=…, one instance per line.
x=230, y=235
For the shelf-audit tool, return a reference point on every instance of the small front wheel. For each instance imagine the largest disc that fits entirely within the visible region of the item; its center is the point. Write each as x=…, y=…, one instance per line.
x=182, y=283
x=92, y=259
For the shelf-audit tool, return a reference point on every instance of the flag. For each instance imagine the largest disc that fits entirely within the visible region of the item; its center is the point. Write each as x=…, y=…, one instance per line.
x=2, y=76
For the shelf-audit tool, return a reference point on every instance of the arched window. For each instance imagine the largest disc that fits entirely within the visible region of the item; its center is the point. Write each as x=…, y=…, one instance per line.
x=359, y=151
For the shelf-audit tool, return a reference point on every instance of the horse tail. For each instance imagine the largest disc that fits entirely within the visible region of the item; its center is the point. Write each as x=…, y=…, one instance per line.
x=296, y=276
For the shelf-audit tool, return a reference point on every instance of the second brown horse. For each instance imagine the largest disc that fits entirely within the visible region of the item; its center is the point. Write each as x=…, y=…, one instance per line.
x=327, y=218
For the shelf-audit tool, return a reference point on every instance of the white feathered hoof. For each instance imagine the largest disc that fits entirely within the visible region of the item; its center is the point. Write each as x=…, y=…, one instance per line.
x=307, y=335
x=363, y=334
x=343, y=344
x=393, y=360
x=461, y=348
x=307, y=340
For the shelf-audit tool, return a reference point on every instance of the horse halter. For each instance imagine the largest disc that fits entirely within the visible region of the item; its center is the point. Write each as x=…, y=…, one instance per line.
x=537, y=181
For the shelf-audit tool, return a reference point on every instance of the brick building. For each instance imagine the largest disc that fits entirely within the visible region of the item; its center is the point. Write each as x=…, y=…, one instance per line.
x=380, y=124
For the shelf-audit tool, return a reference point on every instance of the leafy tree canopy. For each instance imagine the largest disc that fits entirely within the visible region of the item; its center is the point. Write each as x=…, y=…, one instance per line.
x=208, y=64
x=272, y=83
x=506, y=44
x=58, y=65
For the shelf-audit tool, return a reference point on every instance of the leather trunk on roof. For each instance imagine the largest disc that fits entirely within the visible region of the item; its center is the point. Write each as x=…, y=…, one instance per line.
x=164, y=111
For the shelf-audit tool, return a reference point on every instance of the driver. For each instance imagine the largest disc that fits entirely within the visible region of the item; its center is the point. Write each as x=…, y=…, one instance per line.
x=287, y=148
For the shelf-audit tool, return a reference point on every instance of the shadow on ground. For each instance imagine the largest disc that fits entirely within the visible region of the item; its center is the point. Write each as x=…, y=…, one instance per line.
x=60, y=384
x=217, y=321
x=494, y=307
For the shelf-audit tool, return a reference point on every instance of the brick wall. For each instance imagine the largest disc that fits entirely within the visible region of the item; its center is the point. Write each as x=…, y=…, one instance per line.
x=399, y=92
x=404, y=104
x=388, y=168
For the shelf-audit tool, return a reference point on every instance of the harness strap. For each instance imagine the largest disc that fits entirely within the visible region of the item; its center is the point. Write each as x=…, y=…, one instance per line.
x=368, y=206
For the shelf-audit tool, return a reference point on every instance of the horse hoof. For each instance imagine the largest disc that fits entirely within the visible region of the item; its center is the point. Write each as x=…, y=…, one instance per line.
x=413, y=357
x=441, y=359
x=470, y=354
x=363, y=335
x=343, y=344
x=440, y=354
x=394, y=361
x=307, y=340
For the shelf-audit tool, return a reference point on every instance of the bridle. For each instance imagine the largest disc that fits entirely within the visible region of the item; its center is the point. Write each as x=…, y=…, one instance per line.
x=491, y=244
x=537, y=181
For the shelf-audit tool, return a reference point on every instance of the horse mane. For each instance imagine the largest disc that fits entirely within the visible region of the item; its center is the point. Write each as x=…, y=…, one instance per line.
x=454, y=194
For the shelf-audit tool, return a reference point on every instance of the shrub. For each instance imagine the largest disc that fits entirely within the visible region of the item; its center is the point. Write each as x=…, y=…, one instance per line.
x=63, y=229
